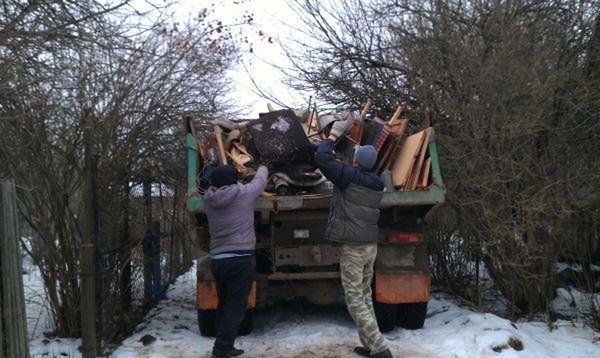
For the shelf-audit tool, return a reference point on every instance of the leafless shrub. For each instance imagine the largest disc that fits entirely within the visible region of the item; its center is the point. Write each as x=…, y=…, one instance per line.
x=69, y=63
x=514, y=85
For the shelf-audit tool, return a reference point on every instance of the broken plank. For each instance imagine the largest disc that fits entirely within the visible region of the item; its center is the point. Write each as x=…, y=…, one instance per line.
x=401, y=168
x=423, y=150
x=424, y=177
x=221, y=148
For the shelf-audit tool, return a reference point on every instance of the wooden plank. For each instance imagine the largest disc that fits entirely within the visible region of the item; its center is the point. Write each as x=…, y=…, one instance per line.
x=270, y=107
x=89, y=345
x=363, y=114
x=390, y=156
x=424, y=176
x=399, y=127
x=401, y=168
x=386, y=151
x=417, y=170
x=427, y=119
x=395, y=117
x=221, y=151
x=12, y=299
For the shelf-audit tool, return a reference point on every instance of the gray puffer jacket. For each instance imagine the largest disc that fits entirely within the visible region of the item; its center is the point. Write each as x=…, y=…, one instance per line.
x=230, y=214
x=354, y=210
x=353, y=215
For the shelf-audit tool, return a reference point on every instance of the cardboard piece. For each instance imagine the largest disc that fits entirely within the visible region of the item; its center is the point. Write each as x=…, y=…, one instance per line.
x=402, y=167
x=412, y=184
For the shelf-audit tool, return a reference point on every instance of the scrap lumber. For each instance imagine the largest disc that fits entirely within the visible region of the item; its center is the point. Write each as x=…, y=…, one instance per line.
x=221, y=148
x=427, y=119
x=424, y=176
x=387, y=150
x=355, y=134
x=417, y=170
x=401, y=168
x=363, y=114
x=395, y=117
x=233, y=135
x=270, y=107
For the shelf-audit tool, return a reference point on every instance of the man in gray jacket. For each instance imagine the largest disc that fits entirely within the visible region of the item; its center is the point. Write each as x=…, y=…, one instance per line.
x=353, y=220
x=229, y=208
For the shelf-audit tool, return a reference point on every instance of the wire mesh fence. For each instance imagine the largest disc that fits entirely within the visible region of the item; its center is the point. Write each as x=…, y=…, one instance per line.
x=137, y=258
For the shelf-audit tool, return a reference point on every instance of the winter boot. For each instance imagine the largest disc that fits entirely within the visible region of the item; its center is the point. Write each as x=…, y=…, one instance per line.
x=234, y=352
x=362, y=351
x=384, y=354
x=216, y=353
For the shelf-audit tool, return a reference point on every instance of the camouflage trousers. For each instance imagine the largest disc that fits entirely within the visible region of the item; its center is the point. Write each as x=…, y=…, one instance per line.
x=356, y=267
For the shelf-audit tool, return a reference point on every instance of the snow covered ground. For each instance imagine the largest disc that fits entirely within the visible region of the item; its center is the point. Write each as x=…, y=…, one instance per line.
x=302, y=330
x=39, y=319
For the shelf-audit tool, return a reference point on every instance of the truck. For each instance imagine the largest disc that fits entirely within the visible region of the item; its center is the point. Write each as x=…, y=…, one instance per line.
x=294, y=260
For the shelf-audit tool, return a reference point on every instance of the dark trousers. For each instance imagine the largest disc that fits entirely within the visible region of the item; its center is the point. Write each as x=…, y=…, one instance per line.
x=234, y=278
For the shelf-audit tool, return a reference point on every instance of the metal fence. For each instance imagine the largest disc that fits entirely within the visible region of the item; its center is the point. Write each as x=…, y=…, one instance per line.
x=136, y=259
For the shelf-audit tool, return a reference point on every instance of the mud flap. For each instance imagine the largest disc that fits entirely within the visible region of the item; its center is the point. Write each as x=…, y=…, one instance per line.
x=402, y=287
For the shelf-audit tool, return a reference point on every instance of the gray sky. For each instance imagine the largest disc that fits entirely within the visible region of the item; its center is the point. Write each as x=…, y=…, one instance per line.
x=275, y=19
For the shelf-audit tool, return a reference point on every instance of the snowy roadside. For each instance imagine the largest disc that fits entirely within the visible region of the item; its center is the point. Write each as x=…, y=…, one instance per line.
x=308, y=331
x=39, y=319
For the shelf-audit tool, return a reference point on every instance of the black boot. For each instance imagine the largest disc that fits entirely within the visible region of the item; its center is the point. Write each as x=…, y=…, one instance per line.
x=384, y=354
x=362, y=351
x=234, y=352
x=217, y=353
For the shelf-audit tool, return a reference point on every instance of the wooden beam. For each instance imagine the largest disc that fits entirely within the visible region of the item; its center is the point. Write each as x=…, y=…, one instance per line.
x=12, y=299
x=221, y=151
x=363, y=114
x=89, y=345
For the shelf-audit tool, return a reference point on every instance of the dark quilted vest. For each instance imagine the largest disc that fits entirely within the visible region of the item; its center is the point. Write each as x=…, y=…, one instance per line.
x=353, y=215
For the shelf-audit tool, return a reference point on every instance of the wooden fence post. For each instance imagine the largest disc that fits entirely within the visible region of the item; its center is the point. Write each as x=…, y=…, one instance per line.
x=12, y=298
x=88, y=278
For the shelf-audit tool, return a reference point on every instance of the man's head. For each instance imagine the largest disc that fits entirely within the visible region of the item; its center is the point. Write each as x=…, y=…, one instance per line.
x=224, y=175
x=365, y=156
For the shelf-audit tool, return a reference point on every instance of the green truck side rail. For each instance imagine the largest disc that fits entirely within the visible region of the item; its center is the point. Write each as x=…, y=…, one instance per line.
x=433, y=195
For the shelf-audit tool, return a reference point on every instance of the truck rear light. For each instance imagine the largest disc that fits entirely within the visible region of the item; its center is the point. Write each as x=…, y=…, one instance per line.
x=403, y=238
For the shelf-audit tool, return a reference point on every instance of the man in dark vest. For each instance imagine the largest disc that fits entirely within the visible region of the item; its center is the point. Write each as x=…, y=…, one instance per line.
x=229, y=208
x=353, y=217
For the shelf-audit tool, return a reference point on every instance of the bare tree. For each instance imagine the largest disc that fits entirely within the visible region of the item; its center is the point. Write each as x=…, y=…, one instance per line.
x=512, y=84
x=66, y=65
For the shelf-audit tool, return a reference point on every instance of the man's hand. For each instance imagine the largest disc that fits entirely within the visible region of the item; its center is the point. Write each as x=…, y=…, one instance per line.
x=268, y=165
x=339, y=128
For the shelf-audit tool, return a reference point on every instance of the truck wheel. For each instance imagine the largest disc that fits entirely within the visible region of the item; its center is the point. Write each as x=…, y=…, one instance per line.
x=411, y=315
x=386, y=316
x=207, y=322
x=247, y=324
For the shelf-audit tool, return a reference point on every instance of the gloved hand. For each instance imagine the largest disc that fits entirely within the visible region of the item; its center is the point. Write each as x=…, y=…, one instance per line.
x=344, y=115
x=339, y=128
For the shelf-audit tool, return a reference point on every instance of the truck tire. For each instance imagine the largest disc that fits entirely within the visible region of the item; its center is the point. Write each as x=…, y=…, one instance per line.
x=386, y=316
x=247, y=324
x=207, y=322
x=411, y=315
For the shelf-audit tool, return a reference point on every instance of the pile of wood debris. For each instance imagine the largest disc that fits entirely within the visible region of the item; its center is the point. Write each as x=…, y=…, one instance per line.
x=285, y=141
